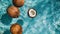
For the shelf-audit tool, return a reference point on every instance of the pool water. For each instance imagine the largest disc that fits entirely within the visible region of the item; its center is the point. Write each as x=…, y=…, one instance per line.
x=47, y=20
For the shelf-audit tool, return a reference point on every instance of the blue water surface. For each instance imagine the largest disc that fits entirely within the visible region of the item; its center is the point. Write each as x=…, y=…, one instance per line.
x=47, y=20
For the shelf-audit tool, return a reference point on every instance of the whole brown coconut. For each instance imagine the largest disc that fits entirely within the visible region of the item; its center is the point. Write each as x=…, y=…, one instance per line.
x=13, y=11
x=18, y=3
x=16, y=29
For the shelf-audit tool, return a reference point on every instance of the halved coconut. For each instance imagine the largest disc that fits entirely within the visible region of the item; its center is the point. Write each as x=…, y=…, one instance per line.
x=32, y=13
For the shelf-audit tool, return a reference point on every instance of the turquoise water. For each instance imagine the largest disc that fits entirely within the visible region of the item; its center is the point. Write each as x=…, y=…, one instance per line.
x=47, y=20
